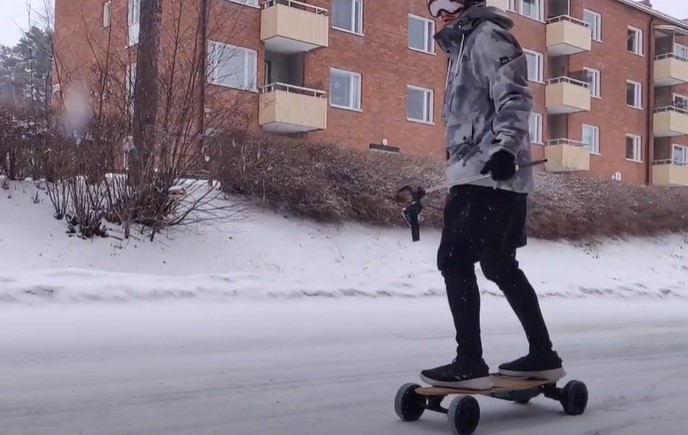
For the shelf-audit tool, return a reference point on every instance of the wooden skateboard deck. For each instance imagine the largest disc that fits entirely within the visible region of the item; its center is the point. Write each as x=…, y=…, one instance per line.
x=502, y=384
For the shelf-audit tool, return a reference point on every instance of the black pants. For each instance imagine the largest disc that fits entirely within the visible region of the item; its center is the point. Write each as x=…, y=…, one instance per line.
x=487, y=225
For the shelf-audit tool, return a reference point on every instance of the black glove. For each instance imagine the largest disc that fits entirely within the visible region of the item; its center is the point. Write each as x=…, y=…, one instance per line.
x=502, y=166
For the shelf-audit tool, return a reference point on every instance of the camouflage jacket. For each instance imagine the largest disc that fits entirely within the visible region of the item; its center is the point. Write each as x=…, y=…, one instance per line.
x=487, y=102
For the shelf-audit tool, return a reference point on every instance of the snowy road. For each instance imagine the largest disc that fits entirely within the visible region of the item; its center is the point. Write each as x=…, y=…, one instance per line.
x=321, y=367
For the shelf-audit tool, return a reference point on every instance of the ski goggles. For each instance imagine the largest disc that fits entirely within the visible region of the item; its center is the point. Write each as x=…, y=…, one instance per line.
x=437, y=6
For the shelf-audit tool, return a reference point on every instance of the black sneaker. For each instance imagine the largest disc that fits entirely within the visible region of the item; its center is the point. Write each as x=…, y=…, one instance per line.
x=471, y=375
x=545, y=365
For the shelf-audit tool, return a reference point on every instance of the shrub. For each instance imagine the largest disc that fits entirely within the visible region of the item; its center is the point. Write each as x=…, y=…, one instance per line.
x=332, y=184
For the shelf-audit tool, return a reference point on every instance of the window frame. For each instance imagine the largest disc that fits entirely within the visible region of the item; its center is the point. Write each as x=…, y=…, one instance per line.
x=541, y=65
x=593, y=148
x=428, y=107
x=541, y=10
x=355, y=18
x=638, y=41
x=596, y=30
x=429, y=44
x=358, y=92
x=638, y=94
x=637, y=148
x=250, y=67
x=538, y=139
x=596, y=90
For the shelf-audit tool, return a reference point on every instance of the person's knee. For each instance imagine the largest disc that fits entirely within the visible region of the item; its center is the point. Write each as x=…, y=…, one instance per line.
x=498, y=268
x=456, y=268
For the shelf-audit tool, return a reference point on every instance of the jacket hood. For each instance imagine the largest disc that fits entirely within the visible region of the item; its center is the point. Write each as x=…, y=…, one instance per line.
x=452, y=34
x=474, y=15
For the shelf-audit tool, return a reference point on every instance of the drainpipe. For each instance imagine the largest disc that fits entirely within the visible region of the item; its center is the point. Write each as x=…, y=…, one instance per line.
x=651, y=103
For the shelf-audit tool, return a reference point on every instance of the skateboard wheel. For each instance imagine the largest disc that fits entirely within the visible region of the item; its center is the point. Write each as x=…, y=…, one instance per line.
x=574, y=398
x=408, y=404
x=464, y=415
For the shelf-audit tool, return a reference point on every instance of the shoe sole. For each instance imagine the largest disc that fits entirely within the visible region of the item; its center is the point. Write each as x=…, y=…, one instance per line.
x=547, y=375
x=470, y=384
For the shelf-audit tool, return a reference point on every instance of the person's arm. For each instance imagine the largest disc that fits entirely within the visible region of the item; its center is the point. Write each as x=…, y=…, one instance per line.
x=500, y=61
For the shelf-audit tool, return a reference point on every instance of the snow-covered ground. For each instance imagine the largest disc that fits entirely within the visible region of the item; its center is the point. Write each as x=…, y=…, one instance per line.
x=266, y=255
x=209, y=330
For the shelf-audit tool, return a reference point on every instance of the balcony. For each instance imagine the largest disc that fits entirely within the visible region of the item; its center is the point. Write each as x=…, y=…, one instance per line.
x=566, y=95
x=670, y=70
x=670, y=121
x=289, y=27
x=292, y=109
x=565, y=155
x=501, y=4
x=669, y=173
x=567, y=35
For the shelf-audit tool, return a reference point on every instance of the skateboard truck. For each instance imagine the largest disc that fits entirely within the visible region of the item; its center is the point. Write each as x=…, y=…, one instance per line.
x=412, y=212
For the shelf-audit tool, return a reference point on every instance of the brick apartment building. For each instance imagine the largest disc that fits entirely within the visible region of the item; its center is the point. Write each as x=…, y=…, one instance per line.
x=609, y=77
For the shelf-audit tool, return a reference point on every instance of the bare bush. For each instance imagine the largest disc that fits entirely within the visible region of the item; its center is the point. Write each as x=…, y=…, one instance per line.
x=328, y=183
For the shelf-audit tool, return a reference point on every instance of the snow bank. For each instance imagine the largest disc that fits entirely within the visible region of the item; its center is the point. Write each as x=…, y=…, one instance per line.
x=266, y=255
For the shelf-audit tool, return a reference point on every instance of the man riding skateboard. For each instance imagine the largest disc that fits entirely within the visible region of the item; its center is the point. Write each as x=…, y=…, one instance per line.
x=487, y=105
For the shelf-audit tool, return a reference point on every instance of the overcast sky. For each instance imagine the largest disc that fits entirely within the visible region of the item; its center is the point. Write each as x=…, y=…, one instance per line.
x=14, y=17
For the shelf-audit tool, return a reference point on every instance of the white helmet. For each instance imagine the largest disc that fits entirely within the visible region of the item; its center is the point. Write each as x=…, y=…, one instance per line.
x=450, y=6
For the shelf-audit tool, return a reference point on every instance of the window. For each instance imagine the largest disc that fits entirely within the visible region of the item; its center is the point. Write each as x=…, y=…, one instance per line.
x=679, y=155
x=535, y=66
x=593, y=78
x=633, y=148
x=231, y=66
x=420, y=32
x=345, y=89
x=535, y=128
x=591, y=138
x=130, y=83
x=680, y=101
x=681, y=51
x=635, y=40
x=348, y=15
x=107, y=14
x=594, y=22
x=511, y=6
x=253, y=3
x=532, y=9
x=133, y=18
x=419, y=104
x=633, y=95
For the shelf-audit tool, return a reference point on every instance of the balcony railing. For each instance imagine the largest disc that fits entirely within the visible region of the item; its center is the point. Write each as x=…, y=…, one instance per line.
x=670, y=70
x=286, y=108
x=670, y=121
x=566, y=155
x=566, y=95
x=290, y=26
x=669, y=173
x=566, y=35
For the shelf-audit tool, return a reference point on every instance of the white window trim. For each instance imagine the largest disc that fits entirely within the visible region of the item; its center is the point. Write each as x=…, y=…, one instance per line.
x=638, y=96
x=598, y=23
x=595, y=92
x=541, y=66
x=431, y=42
x=429, y=111
x=511, y=6
x=639, y=41
x=212, y=69
x=249, y=3
x=360, y=19
x=107, y=14
x=538, y=128
x=638, y=145
x=685, y=154
x=359, y=91
x=594, y=147
x=541, y=11
x=134, y=22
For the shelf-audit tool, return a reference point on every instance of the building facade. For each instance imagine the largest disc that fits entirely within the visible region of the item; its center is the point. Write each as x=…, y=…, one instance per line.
x=609, y=77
